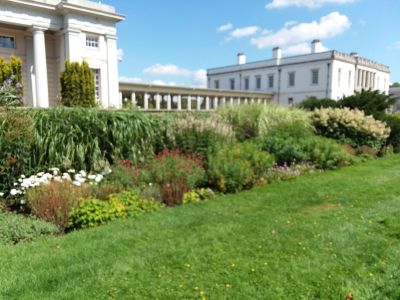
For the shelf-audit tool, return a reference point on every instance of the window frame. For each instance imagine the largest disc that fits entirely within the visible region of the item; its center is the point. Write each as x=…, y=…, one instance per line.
x=271, y=79
x=258, y=82
x=13, y=40
x=92, y=41
x=246, y=83
x=313, y=72
x=216, y=84
x=232, y=84
x=97, y=83
x=290, y=84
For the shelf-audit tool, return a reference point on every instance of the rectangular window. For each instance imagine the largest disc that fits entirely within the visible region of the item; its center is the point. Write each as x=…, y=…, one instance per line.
x=216, y=84
x=290, y=102
x=97, y=83
x=271, y=81
x=350, y=75
x=232, y=83
x=92, y=41
x=339, y=78
x=7, y=42
x=292, y=79
x=315, y=77
x=246, y=83
x=258, y=82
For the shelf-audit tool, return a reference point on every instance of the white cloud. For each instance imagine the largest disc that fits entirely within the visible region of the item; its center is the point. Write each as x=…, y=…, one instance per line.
x=304, y=3
x=225, y=27
x=197, y=78
x=303, y=48
x=328, y=27
x=120, y=54
x=244, y=32
x=398, y=45
x=131, y=79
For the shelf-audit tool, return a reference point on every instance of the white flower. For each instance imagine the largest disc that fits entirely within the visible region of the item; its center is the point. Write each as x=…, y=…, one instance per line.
x=77, y=183
x=1, y=194
x=23, y=201
x=99, y=178
x=22, y=176
x=92, y=177
x=13, y=192
x=71, y=171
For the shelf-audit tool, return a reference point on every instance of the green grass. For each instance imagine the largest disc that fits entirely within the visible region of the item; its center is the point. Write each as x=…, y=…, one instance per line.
x=316, y=237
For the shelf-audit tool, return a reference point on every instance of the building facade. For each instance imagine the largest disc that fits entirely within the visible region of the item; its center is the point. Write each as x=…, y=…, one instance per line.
x=395, y=91
x=46, y=33
x=322, y=74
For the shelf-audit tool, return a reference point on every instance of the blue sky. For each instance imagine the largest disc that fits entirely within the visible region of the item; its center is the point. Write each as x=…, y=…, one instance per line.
x=175, y=41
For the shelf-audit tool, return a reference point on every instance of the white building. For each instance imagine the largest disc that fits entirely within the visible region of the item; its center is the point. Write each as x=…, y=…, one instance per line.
x=45, y=33
x=329, y=74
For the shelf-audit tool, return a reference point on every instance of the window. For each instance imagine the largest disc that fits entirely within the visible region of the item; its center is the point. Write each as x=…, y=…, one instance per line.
x=271, y=81
x=232, y=83
x=216, y=84
x=292, y=79
x=349, y=83
x=246, y=83
x=339, y=78
x=290, y=101
x=314, y=76
x=258, y=82
x=7, y=42
x=97, y=78
x=92, y=41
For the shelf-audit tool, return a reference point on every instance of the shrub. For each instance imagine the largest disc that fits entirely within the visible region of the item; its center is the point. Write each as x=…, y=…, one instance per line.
x=351, y=127
x=54, y=202
x=199, y=134
x=255, y=120
x=393, y=121
x=373, y=103
x=16, y=140
x=197, y=195
x=238, y=166
x=319, y=151
x=93, y=212
x=17, y=228
x=312, y=103
x=11, y=89
x=176, y=174
x=77, y=85
x=123, y=175
x=283, y=173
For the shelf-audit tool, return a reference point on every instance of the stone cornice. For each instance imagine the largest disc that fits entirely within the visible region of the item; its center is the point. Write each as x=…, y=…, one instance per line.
x=65, y=8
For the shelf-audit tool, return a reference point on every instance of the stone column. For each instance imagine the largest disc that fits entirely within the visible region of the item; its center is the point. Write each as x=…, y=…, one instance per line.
x=189, y=103
x=198, y=100
x=215, y=103
x=40, y=67
x=133, y=99
x=223, y=101
x=146, y=101
x=207, y=103
x=169, y=104
x=179, y=99
x=158, y=101
x=231, y=101
x=112, y=64
x=246, y=101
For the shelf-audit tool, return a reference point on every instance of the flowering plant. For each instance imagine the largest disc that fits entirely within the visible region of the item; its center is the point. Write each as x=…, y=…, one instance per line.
x=11, y=93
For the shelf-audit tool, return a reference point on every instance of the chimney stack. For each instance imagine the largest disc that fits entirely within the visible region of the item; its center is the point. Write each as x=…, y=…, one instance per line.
x=277, y=54
x=316, y=46
x=241, y=59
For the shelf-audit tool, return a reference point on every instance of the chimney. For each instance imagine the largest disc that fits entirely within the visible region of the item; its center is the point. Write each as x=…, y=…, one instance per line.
x=316, y=46
x=241, y=59
x=277, y=54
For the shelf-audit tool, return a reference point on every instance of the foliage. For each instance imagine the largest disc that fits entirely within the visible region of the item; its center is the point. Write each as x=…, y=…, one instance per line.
x=319, y=151
x=351, y=127
x=312, y=103
x=11, y=90
x=176, y=174
x=53, y=202
x=285, y=172
x=373, y=103
x=238, y=166
x=395, y=84
x=16, y=140
x=91, y=139
x=194, y=133
x=77, y=85
x=123, y=175
x=93, y=212
x=197, y=195
x=393, y=121
x=255, y=120
x=17, y=228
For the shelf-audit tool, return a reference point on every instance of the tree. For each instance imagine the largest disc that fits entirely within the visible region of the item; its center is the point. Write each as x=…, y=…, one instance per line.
x=396, y=85
x=77, y=85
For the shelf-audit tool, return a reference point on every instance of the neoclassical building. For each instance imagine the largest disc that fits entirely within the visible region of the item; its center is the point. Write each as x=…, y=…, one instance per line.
x=45, y=33
x=323, y=74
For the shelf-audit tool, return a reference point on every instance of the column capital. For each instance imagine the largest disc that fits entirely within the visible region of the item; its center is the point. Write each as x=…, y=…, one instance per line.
x=38, y=28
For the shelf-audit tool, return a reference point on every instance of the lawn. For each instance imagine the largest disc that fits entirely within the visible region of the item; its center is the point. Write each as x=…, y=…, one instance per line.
x=317, y=237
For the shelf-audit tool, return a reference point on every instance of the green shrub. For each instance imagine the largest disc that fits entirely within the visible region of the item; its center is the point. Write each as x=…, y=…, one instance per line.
x=175, y=173
x=350, y=127
x=312, y=103
x=255, y=120
x=17, y=228
x=372, y=103
x=238, y=166
x=393, y=121
x=16, y=140
x=11, y=89
x=93, y=212
x=77, y=85
x=197, y=195
x=194, y=133
x=320, y=152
